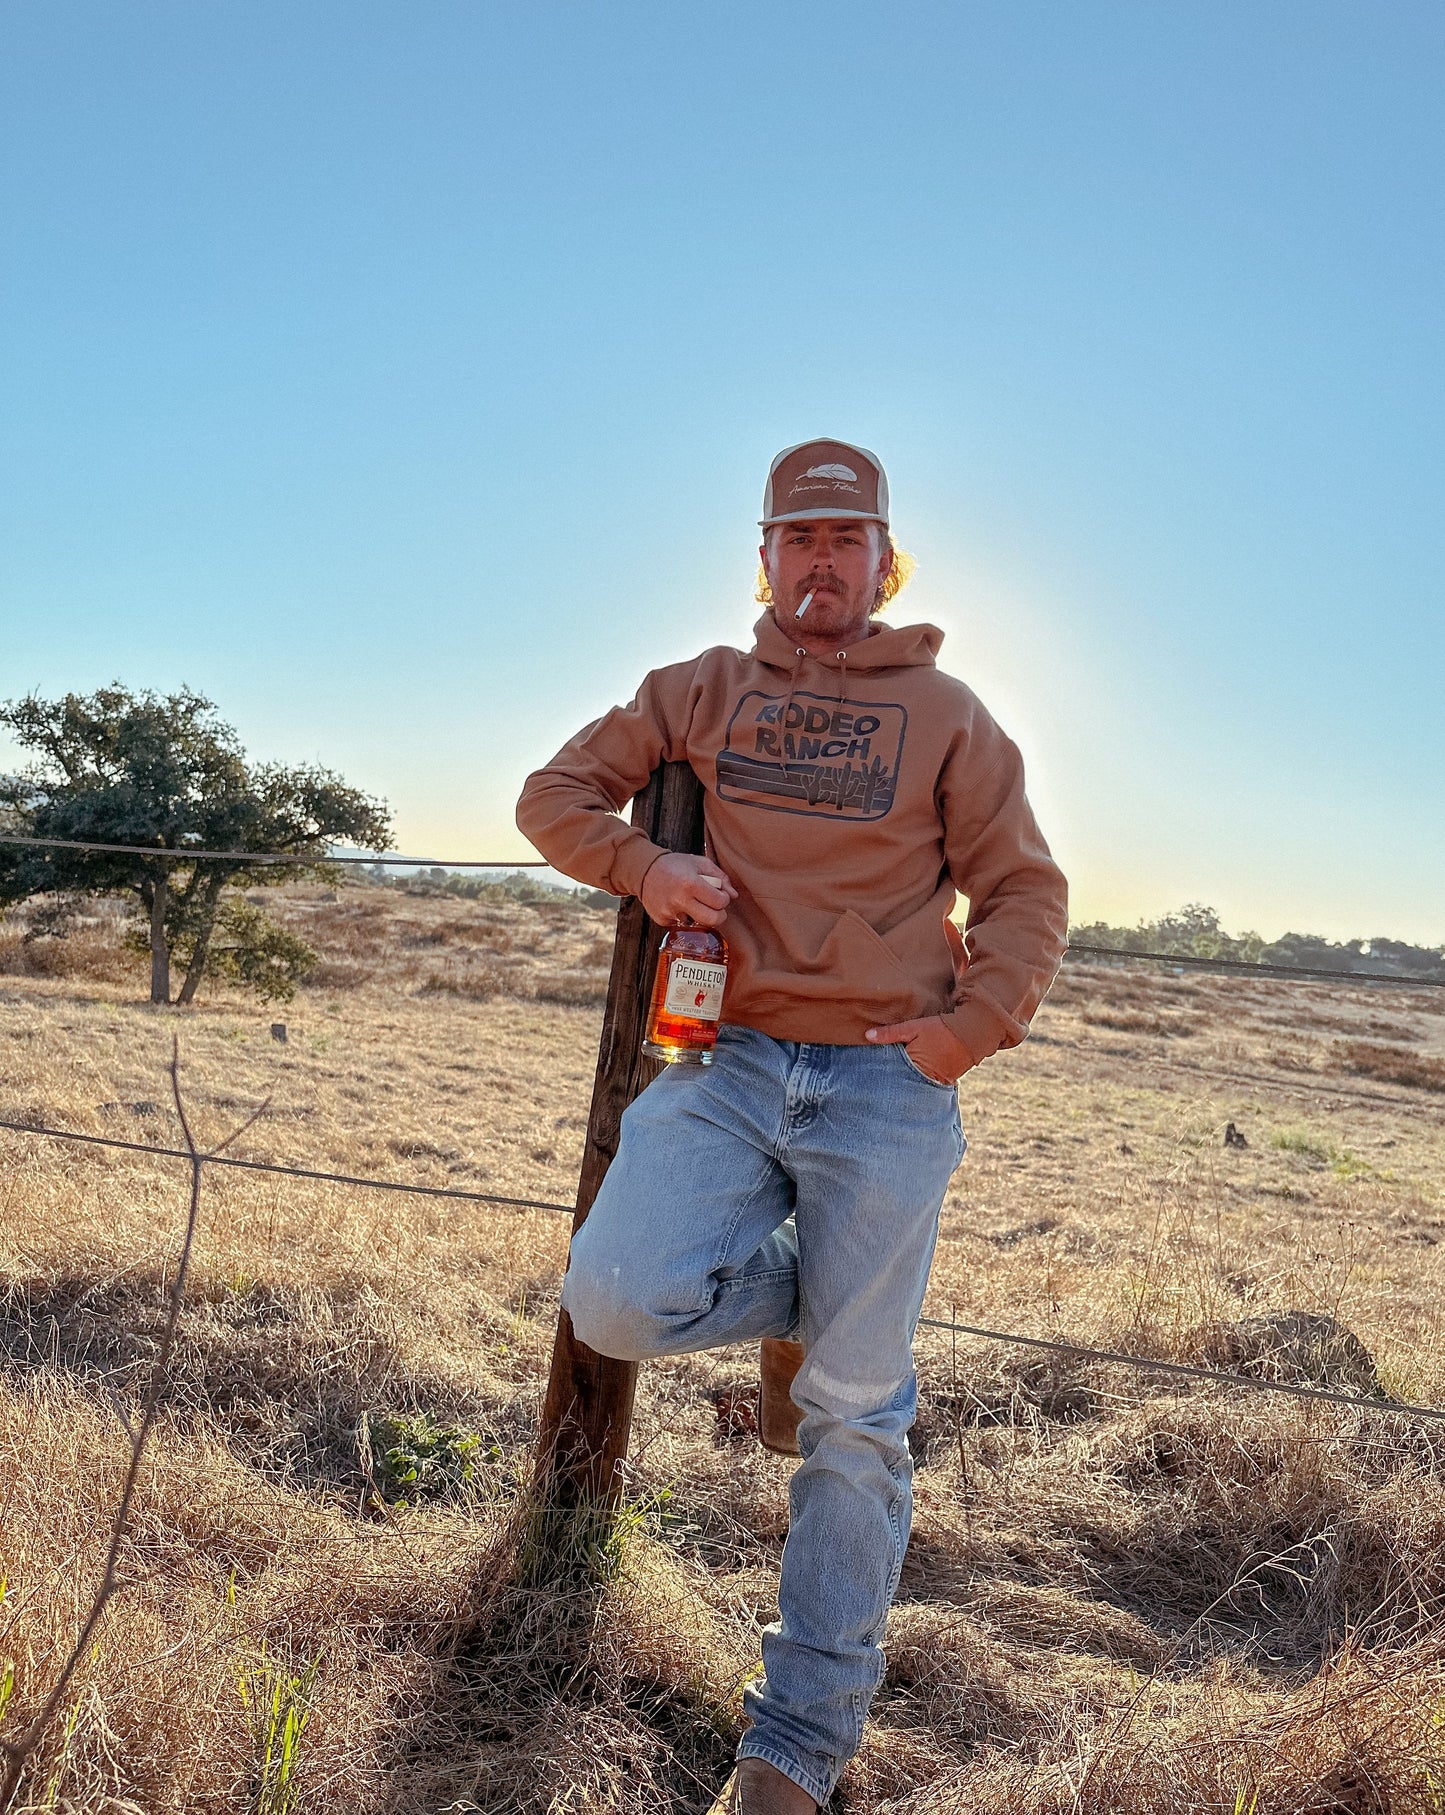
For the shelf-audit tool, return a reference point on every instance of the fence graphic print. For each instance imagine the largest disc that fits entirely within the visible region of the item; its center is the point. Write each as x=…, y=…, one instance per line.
x=813, y=755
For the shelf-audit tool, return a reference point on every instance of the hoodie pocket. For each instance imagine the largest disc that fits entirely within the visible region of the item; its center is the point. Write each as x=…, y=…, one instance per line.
x=802, y=955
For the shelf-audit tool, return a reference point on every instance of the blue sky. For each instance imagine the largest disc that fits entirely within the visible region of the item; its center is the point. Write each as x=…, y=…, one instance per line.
x=405, y=378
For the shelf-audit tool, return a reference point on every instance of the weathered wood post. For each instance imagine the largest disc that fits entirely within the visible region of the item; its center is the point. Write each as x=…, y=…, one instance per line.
x=587, y=1413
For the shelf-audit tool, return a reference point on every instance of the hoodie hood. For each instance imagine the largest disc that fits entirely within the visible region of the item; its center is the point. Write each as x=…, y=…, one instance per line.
x=890, y=646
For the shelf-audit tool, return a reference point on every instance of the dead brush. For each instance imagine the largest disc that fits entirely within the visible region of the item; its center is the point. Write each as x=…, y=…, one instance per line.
x=475, y=982
x=1389, y=1064
x=491, y=931
x=573, y=988
x=1355, y=1742
x=89, y=949
x=17, y=1750
x=1371, y=1027
x=1139, y=1021
x=591, y=1674
x=1254, y=1526
x=338, y=973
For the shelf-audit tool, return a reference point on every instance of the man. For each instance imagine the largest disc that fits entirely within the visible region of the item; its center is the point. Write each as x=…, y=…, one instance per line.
x=792, y=1189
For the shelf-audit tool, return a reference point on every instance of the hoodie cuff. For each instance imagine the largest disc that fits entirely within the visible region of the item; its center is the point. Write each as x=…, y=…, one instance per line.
x=630, y=863
x=980, y=1029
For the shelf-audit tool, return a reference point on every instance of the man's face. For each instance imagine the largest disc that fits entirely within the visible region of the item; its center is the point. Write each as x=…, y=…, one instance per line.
x=843, y=564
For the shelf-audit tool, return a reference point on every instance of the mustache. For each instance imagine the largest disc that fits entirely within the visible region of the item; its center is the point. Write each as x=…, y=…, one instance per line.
x=823, y=583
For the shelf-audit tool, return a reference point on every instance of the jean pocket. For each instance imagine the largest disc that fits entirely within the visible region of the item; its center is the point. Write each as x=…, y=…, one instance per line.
x=937, y=1083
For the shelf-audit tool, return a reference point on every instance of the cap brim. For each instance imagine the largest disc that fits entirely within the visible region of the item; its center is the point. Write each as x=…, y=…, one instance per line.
x=820, y=512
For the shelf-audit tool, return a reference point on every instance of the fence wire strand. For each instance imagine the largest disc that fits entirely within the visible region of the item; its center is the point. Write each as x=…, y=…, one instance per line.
x=335, y=1178
x=1143, y=1364
x=185, y=854
x=1292, y=973
x=1148, y=1365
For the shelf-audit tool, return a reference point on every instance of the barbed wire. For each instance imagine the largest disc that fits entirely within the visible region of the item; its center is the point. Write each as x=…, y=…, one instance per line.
x=185, y=854
x=1290, y=972
x=1142, y=1364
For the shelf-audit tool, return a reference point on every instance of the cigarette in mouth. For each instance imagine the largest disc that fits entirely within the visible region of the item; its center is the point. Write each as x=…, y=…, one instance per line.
x=798, y=614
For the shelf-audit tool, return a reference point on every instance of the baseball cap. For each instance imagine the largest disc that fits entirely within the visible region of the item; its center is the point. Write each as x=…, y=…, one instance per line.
x=825, y=479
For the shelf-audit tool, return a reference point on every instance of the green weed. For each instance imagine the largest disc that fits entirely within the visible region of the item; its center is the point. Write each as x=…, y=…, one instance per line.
x=583, y=1543
x=418, y=1459
x=1323, y=1152
x=277, y=1701
x=51, y=1799
x=1296, y=1140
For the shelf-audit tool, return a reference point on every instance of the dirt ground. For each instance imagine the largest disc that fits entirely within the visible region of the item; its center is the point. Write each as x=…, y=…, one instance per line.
x=1124, y=1592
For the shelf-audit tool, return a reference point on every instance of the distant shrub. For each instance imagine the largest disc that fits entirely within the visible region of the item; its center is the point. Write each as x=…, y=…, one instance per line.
x=1194, y=932
x=516, y=887
x=474, y=982
x=572, y=988
x=1390, y=1064
x=336, y=973
x=65, y=936
x=1135, y=1021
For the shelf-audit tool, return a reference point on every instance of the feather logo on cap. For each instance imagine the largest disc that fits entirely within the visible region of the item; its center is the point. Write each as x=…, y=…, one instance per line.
x=833, y=470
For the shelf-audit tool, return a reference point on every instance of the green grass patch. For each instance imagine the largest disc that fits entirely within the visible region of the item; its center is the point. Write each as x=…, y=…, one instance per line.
x=1320, y=1151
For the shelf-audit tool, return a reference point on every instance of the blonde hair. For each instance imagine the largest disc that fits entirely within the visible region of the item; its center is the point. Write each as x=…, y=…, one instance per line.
x=899, y=574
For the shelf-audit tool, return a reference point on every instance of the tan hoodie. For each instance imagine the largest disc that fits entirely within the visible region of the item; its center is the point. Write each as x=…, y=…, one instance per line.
x=848, y=797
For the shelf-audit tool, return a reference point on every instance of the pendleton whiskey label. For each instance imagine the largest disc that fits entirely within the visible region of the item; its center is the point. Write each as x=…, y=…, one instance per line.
x=695, y=989
x=813, y=755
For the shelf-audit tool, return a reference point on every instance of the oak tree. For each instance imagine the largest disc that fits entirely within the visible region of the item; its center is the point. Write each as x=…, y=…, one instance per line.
x=116, y=767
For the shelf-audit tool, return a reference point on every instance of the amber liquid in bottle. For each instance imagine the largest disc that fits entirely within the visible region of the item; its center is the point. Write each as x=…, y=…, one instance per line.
x=687, y=995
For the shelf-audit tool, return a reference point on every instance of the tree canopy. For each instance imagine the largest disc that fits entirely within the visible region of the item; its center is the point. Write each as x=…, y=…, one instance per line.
x=1195, y=932
x=116, y=767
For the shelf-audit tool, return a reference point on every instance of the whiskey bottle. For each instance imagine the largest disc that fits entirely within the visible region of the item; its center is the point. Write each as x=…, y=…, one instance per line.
x=687, y=995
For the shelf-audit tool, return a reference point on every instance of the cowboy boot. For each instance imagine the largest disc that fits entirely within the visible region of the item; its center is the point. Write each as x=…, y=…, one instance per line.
x=758, y=1788
x=778, y=1417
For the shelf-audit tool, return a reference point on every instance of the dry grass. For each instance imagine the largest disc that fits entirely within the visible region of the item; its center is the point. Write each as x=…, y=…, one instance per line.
x=1123, y=1595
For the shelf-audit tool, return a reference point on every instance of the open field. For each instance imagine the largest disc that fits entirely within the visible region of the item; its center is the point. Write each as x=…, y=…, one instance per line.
x=1123, y=1594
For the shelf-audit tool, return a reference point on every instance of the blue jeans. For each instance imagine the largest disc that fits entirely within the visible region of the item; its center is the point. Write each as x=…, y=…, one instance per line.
x=790, y=1189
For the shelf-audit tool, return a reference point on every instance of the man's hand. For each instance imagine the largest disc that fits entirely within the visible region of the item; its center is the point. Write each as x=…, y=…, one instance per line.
x=931, y=1047
x=693, y=890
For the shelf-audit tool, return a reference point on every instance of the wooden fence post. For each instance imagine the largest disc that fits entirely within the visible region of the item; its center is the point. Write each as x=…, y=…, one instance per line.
x=587, y=1413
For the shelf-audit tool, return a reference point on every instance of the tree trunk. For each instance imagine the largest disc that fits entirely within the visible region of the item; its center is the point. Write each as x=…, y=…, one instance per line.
x=195, y=970
x=160, y=951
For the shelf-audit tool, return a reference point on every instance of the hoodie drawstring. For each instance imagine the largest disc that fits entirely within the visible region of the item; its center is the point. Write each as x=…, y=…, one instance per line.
x=800, y=655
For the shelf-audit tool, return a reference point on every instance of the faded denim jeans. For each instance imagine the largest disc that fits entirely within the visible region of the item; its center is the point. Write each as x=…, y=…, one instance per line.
x=791, y=1189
